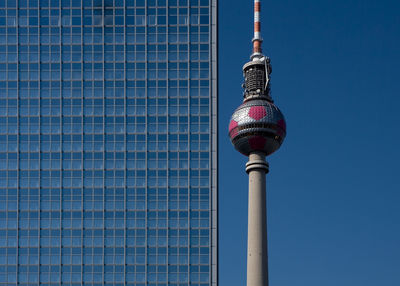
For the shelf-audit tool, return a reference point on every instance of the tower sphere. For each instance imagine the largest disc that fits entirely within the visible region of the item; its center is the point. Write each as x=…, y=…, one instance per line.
x=257, y=126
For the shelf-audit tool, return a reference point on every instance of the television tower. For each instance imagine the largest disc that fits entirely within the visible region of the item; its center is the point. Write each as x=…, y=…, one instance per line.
x=257, y=129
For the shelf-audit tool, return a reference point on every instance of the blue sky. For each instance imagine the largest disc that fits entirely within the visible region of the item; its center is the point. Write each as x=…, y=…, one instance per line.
x=334, y=188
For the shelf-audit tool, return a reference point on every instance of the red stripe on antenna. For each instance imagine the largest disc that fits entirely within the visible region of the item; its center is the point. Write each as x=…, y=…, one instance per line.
x=257, y=28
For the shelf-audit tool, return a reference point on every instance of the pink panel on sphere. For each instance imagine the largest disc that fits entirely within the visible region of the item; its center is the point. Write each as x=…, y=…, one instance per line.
x=257, y=112
x=232, y=125
x=257, y=142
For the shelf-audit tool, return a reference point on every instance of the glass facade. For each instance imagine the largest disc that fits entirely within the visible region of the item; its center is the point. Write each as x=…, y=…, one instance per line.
x=108, y=140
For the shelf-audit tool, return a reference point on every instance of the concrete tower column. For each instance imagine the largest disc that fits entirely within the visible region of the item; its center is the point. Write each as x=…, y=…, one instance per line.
x=257, y=254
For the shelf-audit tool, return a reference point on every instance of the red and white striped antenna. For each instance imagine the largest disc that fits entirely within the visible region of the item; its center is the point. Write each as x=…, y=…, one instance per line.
x=257, y=41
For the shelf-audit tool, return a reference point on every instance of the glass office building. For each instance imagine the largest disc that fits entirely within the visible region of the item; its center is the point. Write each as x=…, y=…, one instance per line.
x=108, y=141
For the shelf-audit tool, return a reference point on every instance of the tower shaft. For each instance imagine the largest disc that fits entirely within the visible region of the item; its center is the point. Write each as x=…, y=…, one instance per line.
x=257, y=254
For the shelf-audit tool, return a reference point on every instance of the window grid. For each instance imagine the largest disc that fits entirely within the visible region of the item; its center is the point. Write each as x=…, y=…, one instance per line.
x=59, y=73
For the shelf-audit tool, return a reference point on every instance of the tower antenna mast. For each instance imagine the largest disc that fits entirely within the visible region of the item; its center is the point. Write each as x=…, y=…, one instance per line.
x=257, y=40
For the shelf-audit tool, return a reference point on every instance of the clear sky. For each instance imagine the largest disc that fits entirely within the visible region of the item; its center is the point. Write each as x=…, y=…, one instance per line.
x=334, y=186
